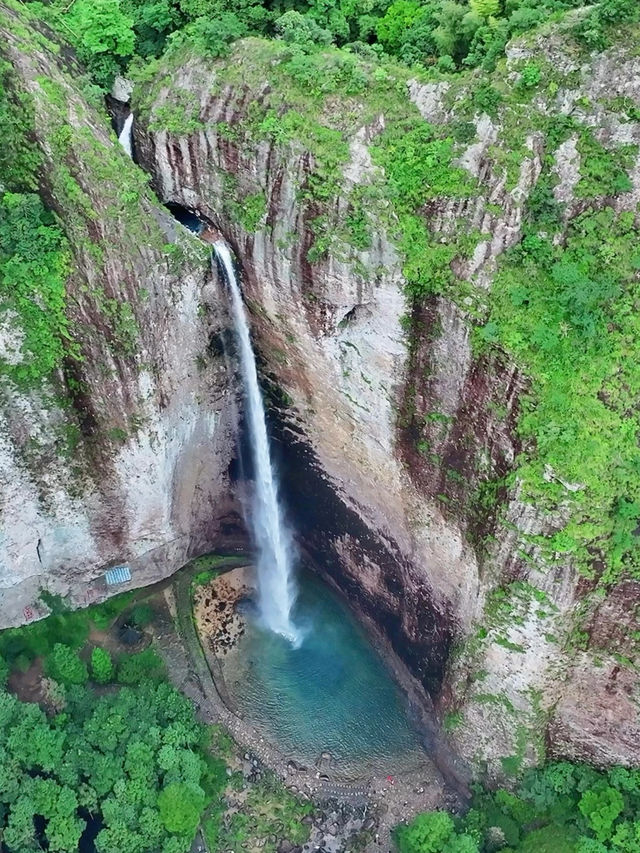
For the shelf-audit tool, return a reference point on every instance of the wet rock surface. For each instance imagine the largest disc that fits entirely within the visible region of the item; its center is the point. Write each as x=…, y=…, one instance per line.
x=387, y=426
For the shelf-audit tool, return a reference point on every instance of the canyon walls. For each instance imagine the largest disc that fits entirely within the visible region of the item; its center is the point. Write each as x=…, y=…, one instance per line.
x=120, y=454
x=371, y=214
x=399, y=435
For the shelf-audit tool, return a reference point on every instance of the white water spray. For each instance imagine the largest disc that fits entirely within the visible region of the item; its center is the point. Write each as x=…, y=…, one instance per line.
x=276, y=590
x=126, y=135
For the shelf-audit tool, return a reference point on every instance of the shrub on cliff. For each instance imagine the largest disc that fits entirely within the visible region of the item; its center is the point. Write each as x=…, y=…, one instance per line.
x=34, y=263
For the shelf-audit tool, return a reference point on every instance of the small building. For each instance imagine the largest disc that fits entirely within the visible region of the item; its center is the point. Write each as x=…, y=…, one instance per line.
x=117, y=575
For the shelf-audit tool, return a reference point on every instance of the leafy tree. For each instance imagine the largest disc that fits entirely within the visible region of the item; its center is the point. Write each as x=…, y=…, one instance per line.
x=456, y=28
x=487, y=99
x=601, y=806
x=104, y=36
x=20, y=831
x=392, y=28
x=211, y=36
x=65, y=666
x=180, y=805
x=64, y=831
x=593, y=29
x=295, y=28
x=101, y=666
x=153, y=22
x=144, y=665
x=428, y=833
x=627, y=837
x=485, y=8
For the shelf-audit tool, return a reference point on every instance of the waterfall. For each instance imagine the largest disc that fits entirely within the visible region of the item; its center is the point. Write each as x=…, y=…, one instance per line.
x=126, y=134
x=276, y=589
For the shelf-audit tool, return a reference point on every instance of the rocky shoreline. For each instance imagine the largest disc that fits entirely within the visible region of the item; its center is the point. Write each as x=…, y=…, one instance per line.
x=371, y=805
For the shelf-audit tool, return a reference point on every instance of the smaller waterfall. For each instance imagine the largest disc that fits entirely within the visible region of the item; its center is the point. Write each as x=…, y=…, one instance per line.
x=126, y=134
x=276, y=591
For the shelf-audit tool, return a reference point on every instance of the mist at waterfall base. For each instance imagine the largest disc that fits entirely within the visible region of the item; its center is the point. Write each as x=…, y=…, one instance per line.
x=332, y=693
x=274, y=570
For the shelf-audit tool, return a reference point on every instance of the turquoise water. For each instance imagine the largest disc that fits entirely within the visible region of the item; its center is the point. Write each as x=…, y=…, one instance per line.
x=331, y=694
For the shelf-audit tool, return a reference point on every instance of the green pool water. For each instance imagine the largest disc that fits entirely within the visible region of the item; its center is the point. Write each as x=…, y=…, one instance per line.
x=331, y=694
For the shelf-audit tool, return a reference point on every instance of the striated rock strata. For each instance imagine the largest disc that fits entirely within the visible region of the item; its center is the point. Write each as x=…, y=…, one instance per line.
x=389, y=422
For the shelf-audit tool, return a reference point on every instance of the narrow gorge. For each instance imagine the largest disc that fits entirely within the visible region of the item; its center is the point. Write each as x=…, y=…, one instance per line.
x=437, y=268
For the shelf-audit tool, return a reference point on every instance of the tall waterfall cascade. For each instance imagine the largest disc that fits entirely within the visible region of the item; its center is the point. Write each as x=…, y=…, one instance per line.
x=125, y=138
x=276, y=586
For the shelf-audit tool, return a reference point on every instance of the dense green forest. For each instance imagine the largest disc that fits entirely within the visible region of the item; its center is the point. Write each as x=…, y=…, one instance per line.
x=451, y=35
x=128, y=761
x=113, y=758
x=562, y=808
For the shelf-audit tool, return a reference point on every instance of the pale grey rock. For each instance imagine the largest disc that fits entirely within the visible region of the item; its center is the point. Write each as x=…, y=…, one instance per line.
x=146, y=482
x=11, y=338
x=122, y=89
x=567, y=167
x=343, y=360
x=428, y=98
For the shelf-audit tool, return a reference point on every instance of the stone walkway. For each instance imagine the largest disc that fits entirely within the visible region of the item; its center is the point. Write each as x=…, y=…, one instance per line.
x=389, y=800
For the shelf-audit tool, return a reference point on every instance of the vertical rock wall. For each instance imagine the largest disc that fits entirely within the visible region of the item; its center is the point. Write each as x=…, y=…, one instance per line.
x=396, y=437
x=121, y=455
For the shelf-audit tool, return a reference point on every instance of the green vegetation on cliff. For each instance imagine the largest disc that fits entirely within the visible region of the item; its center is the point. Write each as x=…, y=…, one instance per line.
x=561, y=303
x=567, y=313
x=34, y=263
x=34, y=253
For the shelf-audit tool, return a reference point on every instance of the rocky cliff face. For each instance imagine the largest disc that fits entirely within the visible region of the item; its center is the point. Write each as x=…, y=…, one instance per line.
x=396, y=433
x=121, y=455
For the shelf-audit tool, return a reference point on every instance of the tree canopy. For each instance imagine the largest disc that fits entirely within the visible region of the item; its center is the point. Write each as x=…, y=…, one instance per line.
x=453, y=34
x=130, y=761
x=561, y=808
